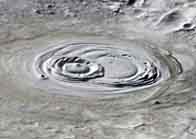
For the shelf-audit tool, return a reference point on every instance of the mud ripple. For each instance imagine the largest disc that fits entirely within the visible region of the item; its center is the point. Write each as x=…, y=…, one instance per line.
x=104, y=68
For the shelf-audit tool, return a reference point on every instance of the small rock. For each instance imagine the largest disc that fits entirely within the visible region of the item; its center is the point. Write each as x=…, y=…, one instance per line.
x=157, y=102
x=43, y=77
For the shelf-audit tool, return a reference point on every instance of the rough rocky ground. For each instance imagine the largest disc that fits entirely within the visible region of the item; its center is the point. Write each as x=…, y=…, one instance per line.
x=25, y=114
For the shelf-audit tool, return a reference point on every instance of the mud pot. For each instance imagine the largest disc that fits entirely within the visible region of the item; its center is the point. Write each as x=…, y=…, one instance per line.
x=97, y=69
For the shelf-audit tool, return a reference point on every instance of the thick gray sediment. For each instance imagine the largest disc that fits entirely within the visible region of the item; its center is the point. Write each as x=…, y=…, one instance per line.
x=97, y=69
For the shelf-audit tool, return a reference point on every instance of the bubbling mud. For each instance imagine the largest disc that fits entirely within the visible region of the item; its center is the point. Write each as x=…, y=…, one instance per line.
x=104, y=68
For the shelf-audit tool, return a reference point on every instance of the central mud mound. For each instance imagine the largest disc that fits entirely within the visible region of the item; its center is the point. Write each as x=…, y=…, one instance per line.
x=103, y=68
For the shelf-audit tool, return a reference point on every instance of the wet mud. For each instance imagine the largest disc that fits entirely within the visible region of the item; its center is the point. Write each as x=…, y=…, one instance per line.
x=109, y=70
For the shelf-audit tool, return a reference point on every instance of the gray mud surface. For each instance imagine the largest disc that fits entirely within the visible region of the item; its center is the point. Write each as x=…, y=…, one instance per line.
x=97, y=69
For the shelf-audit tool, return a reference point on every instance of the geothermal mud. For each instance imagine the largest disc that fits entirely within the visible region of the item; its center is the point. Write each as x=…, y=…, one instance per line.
x=97, y=69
